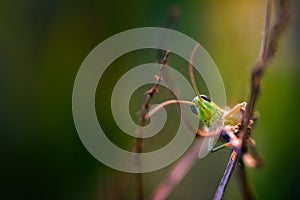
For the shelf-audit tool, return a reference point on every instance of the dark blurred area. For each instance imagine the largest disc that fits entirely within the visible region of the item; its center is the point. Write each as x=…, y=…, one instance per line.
x=42, y=45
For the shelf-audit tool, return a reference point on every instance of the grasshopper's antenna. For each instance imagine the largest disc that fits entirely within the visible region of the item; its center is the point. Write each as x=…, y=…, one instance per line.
x=191, y=71
x=154, y=110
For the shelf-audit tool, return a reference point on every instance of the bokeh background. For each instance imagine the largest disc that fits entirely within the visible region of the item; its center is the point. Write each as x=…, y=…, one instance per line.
x=42, y=45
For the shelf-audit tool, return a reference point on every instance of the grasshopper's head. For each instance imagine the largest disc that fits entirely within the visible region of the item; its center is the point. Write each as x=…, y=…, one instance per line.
x=204, y=108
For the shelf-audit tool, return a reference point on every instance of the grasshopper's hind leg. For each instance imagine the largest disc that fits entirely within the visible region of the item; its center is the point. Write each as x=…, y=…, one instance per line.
x=222, y=146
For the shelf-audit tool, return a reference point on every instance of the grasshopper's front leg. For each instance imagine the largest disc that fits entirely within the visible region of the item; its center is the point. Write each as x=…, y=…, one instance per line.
x=235, y=109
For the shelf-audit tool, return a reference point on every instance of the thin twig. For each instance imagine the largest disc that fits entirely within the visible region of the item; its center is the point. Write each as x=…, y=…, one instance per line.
x=180, y=169
x=245, y=119
x=243, y=182
x=268, y=48
x=173, y=16
x=162, y=57
x=261, y=62
x=226, y=176
x=177, y=173
x=189, y=158
x=142, y=120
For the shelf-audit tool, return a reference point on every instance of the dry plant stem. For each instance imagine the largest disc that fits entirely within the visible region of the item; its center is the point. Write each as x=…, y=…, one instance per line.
x=268, y=48
x=180, y=169
x=226, y=176
x=173, y=17
x=259, y=66
x=243, y=182
x=177, y=173
x=142, y=120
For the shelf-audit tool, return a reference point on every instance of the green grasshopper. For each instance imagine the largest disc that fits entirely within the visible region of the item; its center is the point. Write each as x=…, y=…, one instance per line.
x=214, y=118
x=211, y=115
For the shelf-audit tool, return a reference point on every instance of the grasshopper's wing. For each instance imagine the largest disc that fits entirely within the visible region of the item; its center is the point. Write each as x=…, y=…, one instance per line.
x=217, y=122
x=207, y=145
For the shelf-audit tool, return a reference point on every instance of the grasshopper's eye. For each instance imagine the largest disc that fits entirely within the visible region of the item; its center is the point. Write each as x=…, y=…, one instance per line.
x=205, y=98
x=194, y=110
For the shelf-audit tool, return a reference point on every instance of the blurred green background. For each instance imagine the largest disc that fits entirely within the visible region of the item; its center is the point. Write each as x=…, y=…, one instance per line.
x=42, y=45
